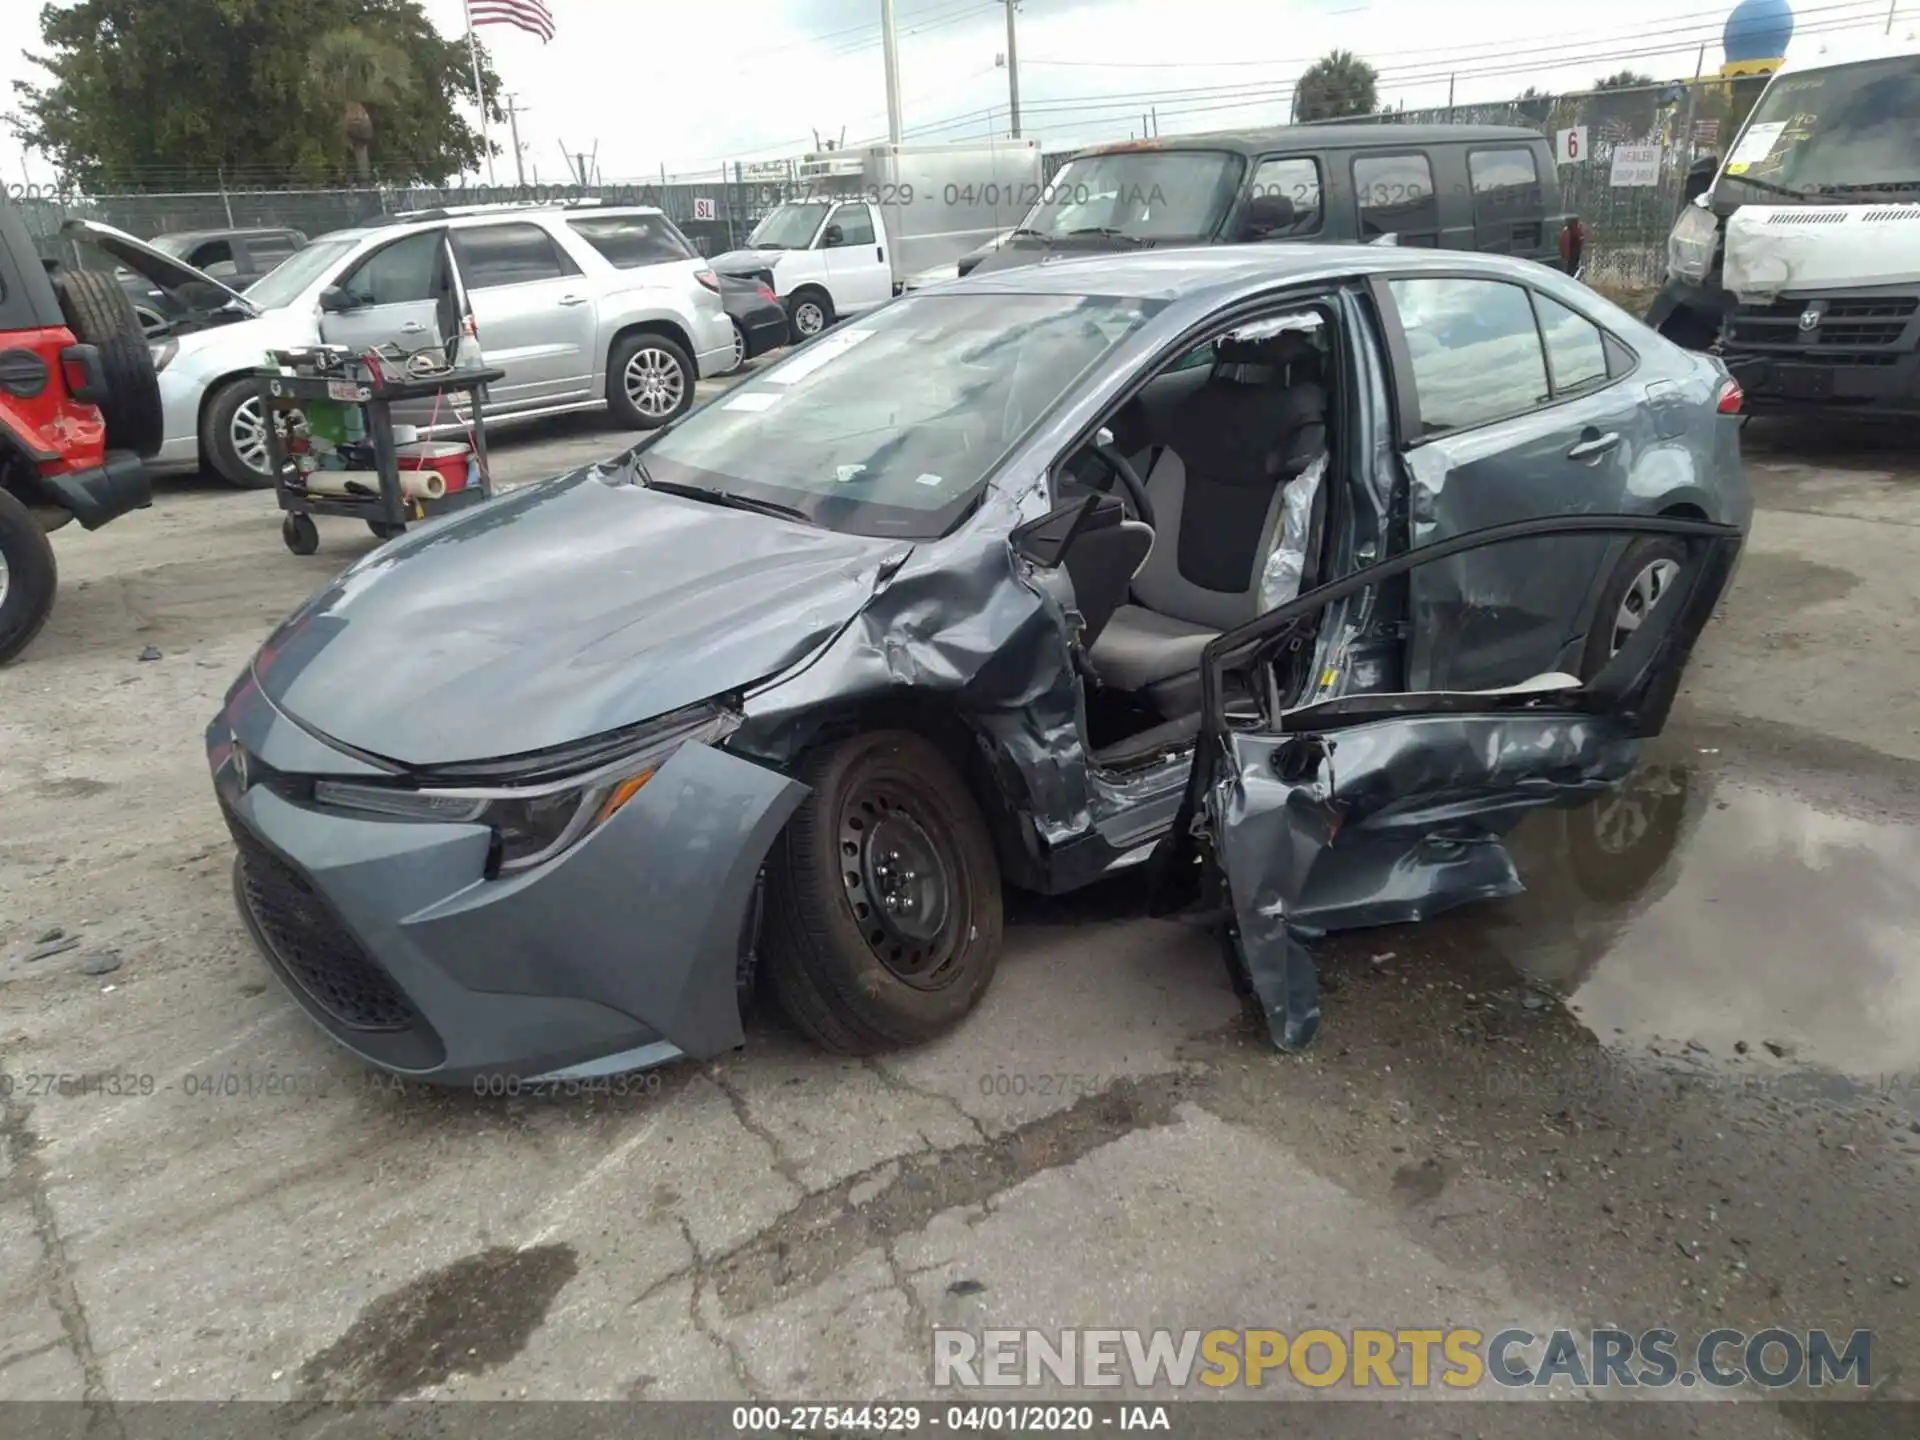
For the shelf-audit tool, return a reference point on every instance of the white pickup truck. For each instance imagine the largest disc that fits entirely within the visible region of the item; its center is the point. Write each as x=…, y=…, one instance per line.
x=866, y=221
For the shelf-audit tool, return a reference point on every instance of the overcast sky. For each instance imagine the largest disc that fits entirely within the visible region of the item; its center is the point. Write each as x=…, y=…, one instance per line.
x=693, y=86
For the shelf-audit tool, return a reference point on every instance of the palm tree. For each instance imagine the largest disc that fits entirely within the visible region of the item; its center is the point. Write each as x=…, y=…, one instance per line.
x=1338, y=83
x=351, y=71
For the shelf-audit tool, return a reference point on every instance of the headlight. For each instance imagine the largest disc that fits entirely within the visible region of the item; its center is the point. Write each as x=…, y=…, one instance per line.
x=535, y=822
x=1690, y=246
x=163, y=354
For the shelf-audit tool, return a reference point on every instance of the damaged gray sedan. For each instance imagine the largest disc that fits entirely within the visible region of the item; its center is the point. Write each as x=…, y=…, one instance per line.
x=1291, y=575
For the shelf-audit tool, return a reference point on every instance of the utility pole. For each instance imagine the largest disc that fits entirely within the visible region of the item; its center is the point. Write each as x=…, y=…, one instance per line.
x=513, y=128
x=1013, y=73
x=890, y=42
x=1893, y=8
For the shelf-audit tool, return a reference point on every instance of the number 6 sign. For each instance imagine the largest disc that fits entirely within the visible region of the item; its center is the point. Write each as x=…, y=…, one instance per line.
x=703, y=207
x=1570, y=146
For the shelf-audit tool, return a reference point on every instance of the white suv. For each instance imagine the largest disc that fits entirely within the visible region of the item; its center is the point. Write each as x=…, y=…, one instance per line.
x=581, y=306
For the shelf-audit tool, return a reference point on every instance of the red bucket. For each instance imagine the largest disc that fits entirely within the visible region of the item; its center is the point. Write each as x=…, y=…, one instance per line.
x=449, y=457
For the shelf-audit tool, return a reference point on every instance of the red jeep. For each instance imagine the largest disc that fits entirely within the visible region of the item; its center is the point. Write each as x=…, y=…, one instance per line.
x=79, y=412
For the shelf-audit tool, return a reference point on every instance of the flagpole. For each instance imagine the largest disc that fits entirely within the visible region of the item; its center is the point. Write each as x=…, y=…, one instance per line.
x=473, y=54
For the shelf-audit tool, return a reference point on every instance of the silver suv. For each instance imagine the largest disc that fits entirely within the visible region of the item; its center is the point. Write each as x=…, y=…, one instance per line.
x=581, y=306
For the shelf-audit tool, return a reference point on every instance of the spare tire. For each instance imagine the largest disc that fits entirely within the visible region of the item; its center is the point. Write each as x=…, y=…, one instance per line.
x=101, y=314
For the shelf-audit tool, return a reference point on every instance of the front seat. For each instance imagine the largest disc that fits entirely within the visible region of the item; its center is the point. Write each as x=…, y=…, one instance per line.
x=1232, y=447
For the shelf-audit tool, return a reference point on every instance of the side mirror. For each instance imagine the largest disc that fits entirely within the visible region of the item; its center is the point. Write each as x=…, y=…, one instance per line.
x=832, y=236
x=1045, y=541
x=1700, y=178
x=1266, y=214
x=335, y=301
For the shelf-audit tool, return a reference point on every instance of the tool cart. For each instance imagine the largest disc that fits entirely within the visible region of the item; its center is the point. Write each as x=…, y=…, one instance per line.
x=336, y=450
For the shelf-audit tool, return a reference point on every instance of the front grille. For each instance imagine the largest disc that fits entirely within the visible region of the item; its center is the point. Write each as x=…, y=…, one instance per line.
x=312, y=944
x=1849, y=332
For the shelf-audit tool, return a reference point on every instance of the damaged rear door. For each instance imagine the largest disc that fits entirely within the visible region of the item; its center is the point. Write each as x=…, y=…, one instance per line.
x=1377, y=808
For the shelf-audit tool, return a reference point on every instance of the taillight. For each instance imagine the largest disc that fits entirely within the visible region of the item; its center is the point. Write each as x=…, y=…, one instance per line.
x=1732, y=398
x=1573, y=239
x=708, y=279
x=765, y=292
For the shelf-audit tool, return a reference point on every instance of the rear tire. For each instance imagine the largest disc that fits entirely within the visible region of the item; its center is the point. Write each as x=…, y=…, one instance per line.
x=1638, y=582
x=650, y=380
x=883, y=898
x=101, y=314
x=234, y=413
x=29, y=579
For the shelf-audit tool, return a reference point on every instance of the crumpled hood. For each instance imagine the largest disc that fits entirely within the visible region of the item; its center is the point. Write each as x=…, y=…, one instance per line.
x=1026, y=250
x=754, y=263
x=557, y=613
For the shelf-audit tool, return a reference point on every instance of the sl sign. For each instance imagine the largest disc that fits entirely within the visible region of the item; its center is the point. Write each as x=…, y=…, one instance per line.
x=703, y=207
x=1570, y=146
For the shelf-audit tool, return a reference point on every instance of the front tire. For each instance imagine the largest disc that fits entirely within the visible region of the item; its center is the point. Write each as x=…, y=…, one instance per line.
x=809, y=312
x=233, y=436
x=650, y=380
x=28, y=577
x=884, y=912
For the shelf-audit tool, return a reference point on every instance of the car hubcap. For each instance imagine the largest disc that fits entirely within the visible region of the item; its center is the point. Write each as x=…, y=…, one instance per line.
x=739, y=347
x=1642, y=595
x=654, y=383
x=249, y=432
x=900, y=884
x=6, y=579
x=809, y=318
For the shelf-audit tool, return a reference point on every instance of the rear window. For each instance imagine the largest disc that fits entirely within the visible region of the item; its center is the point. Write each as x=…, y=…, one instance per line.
x=1506, y=183
x=627, y=242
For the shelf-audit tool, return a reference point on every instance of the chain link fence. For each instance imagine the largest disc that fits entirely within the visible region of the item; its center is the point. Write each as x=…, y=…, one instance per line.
x=1624, y=156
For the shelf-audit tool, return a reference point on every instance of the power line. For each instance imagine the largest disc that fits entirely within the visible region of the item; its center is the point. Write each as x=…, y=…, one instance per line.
x=1248, y=95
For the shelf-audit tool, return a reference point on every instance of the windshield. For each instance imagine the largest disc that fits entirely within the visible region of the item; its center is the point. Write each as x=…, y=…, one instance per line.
x=891, y=425
x=787, y=227
x=1143, y=195
x=1844, y=132
x=174, y=245
x=282, y=285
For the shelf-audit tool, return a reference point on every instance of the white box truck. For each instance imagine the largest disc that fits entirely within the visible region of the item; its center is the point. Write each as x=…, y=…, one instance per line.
x=858, y=224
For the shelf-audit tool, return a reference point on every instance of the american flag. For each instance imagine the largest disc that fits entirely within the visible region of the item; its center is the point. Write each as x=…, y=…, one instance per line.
x=529, y=15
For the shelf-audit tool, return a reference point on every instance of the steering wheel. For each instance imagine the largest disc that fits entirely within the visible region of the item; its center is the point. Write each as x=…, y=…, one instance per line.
x=1136, y=488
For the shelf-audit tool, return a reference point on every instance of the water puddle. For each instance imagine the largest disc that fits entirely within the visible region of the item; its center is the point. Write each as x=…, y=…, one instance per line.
x=1701, y=918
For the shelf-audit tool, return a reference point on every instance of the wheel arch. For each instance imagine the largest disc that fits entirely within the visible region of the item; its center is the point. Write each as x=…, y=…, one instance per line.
x=212, y=388
x=966, y=743
x=663, y=326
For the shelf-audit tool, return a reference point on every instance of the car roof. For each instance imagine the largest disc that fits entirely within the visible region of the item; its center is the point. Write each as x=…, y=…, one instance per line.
x=463, y=215
x=1188, y=273
x=1330, y=135
x=235, y=234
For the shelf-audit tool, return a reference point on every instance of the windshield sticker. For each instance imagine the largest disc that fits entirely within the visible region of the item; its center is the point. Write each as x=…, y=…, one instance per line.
x=931, y=480
x=845, y=473
x=1755, y=146
x=819, y=353
x=753, y=400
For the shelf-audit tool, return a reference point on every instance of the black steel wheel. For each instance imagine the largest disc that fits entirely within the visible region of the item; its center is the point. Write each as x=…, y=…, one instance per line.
x=302, y=536
x=884, y=908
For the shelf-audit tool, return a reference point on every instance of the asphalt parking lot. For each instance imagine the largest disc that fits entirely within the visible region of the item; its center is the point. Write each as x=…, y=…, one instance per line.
x=1677, y=1083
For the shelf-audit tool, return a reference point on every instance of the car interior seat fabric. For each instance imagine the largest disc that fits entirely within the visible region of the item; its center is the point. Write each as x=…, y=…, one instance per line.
x=1216, y=487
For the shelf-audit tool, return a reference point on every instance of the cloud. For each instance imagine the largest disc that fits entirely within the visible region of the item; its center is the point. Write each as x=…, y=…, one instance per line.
x=700, y=86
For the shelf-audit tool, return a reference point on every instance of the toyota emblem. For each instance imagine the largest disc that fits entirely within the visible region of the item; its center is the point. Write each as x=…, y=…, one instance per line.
x=1810, y=318
x=239, y=754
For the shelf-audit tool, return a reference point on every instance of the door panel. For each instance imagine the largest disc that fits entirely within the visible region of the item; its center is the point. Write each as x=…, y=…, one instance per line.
x=396, y=290
x=1512, y=428
x=1378, y=808
x=534, y=311
x=859, y=267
